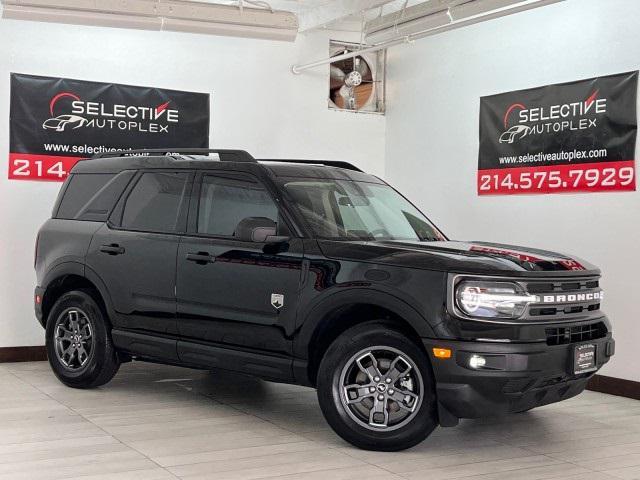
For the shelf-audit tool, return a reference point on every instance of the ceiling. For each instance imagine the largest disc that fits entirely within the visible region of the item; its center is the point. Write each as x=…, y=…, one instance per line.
x=343, y=15
x=334, y=14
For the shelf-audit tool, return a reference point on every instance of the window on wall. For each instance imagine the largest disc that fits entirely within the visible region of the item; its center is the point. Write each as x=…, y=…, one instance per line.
x=225, y=200
x=155, y=202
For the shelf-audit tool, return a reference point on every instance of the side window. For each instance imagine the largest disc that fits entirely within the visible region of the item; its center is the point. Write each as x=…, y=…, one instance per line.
x=98, y=207
x=155, y=202
x=82, y=188
x=225, y=200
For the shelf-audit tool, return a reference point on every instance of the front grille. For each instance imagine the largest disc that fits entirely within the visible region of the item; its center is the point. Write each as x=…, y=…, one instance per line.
x=562, y=286
x=574, y=334
x=541, y=311
x=570, y=287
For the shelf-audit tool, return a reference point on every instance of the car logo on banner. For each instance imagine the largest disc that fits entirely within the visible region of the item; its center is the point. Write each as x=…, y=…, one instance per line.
x=552, y=119
x=62, y=122
x=514, y=133
x=118, y=116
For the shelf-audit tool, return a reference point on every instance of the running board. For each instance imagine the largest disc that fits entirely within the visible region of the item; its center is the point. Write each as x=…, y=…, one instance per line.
x=192, y=354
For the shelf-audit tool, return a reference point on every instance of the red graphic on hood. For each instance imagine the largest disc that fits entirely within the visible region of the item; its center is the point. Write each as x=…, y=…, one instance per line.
x=161, y=108
x=53, y=101
x=508, y=112
x=572, y=265
x=567, y=264
x=509, y=253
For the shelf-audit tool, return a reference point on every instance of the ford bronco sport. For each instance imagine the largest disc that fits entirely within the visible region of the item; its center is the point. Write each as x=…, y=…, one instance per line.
x=314, y=273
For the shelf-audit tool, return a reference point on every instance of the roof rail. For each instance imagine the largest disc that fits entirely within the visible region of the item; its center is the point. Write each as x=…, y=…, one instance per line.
x=224, y=154
x=327, y=163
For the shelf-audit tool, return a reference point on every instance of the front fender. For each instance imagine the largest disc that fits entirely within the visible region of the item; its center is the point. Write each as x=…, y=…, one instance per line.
x=369, y=296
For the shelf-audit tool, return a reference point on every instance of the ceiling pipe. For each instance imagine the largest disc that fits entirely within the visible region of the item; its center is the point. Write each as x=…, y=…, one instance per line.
x=453, y=24
x=300, y=68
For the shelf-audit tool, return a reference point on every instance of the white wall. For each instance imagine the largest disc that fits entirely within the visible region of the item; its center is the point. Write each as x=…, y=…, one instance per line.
x=434, y=88
x=257, y=105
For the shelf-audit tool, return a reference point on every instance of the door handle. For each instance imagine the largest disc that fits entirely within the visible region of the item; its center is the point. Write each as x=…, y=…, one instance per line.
x=201, y=258
x=112, y=249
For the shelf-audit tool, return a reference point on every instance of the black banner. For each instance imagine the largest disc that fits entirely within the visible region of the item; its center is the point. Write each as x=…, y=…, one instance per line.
x=56, y=121
x=570, y=137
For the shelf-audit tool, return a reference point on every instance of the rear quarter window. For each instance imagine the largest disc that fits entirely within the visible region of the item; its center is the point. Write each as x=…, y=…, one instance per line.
x=91, y=196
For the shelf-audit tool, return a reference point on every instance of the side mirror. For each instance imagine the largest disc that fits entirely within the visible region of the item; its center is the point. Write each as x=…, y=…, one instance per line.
x=276, y=244
x=255, y=229
x=276, y=239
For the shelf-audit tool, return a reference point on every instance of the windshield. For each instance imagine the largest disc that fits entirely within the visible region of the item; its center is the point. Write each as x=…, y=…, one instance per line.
x=347, y=210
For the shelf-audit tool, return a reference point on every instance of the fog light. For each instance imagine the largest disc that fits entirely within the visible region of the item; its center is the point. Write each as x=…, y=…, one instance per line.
x=476, y=361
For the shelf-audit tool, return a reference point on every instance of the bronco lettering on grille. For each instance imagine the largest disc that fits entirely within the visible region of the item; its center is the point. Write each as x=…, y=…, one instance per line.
x=572, y=297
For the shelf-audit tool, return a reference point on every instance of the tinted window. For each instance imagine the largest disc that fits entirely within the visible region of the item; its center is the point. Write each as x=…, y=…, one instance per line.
x=99, y=206
x=81, y=188
x=347, y=210
x=155, y=202
x=226, y=200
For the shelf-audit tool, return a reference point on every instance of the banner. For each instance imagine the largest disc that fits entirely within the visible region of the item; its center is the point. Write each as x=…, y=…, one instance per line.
x=569, y=137
x=54, y=122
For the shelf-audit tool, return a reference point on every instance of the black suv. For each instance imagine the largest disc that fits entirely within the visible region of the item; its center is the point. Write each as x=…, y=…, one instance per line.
x=314, y=273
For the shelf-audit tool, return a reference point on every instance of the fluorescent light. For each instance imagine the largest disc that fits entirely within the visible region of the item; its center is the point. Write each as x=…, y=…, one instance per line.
x=402, y=29
x=458, y=18
x=80, y=18
x=180, y=16
x=407, y=21
x=440, y=13
x=229, y=29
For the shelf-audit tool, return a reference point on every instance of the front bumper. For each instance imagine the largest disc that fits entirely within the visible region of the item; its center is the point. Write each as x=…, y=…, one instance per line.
x=529, y=375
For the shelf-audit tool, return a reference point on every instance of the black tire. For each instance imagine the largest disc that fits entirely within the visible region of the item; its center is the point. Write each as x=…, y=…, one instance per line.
x=102, y=362
x=330, y=391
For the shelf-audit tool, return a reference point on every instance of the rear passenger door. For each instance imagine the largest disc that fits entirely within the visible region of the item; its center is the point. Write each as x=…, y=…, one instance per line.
x=245, y=296
x=135, y=252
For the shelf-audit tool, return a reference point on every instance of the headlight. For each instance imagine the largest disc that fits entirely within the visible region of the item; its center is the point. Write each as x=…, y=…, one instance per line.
x=492, y=299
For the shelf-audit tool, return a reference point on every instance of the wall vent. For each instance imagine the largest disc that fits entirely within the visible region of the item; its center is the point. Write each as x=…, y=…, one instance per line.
x=356, y=84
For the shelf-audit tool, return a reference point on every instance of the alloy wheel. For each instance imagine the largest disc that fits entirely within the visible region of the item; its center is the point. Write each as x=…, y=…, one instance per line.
x=381, y=388
x=73, y=339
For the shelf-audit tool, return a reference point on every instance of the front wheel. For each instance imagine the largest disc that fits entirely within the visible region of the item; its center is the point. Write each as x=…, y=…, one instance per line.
x=376, y=389
x=78, y=342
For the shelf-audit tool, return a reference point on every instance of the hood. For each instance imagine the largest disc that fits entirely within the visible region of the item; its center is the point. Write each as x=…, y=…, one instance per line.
x=461, y=257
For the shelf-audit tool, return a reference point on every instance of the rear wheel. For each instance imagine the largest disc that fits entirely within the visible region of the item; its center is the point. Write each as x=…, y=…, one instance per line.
x=376, y=390
x=78, y=342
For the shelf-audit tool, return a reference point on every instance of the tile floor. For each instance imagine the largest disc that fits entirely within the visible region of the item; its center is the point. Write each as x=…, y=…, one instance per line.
x=158, y=422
